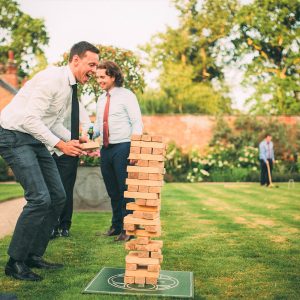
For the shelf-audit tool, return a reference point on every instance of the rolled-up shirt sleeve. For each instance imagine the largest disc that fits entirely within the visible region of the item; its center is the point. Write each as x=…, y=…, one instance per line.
x=135, y=116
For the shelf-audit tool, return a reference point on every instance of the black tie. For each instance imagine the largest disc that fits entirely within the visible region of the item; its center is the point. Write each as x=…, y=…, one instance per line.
x=75, y=114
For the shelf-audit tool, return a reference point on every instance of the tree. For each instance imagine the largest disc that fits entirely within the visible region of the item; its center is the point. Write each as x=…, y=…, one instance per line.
x=191, y=46
x=269, y=31
x=22, y=34
x=127, y=61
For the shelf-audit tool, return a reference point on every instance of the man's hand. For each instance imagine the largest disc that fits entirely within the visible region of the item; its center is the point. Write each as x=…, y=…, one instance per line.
x=71, y=148
x=133, y=162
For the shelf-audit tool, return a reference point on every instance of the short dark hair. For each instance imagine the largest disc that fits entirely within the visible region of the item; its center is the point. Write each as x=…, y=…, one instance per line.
x=80, y=49
x=267, y=134
x=112, y=70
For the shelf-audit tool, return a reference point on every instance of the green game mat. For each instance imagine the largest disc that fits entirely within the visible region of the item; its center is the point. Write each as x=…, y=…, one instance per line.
x=170, y=284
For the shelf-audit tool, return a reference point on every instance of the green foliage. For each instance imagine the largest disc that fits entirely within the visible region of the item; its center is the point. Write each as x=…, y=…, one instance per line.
x=269, y=30
x=91, y=159
x=10, y=191
x=4, y=171
x=127, y=61
x=21, y=33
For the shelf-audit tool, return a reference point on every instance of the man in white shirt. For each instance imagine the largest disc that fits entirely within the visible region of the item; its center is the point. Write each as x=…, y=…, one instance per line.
x=29, y=123
x=118, y=116
x=67, y=167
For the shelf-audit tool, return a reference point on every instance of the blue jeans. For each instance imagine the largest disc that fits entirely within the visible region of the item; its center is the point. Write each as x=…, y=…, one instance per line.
x=114, y=161
x=36, y=171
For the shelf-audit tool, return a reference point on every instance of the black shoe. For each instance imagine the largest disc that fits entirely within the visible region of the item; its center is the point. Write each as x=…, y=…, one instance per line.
x=123, y=237
x=35, y=261
x=112, y=231
x=65, y=233
x=55, y=234
x=20, y=271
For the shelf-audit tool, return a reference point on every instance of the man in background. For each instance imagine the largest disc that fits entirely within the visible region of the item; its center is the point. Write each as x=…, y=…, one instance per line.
x=266, y=157
x=118, y=116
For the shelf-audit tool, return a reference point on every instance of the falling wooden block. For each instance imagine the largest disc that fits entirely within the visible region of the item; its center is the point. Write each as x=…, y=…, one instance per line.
x=90, y=145
x=136, y=137
x=146, y=150
x=150, y=183
x=135, y=150
x=129, y=279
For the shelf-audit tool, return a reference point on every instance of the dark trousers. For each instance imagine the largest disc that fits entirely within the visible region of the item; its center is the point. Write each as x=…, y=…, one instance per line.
x=36, y=171
x=67, y=167
x=264, y=177
x=114, y=161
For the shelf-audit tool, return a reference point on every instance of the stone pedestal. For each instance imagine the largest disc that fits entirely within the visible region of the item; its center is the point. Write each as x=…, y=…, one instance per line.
x=89, y=191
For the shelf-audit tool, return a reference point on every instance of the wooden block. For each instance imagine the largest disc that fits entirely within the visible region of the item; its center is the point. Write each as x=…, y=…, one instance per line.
x=129, y=227
x=130, y=245
x=142, y=273
x=135, y=150
x=136, y=137
x=156, y=138
x=129, y=279
x=143, y=176
x=133, y=175
x=139, y=202
x=142, y=241
x=139, y=195
x=152, y=170
x=156, y=254
x=129, y=219
x=154, y=163
x=153, y=268
x=143, y=189
x=142, y=163
x=138, y=214
x=157, y=151
x=132, y=188
x=90, y=145
x=136, y=207
x=144, y=182
x=146, y=156
x=159, y=177
x=152, y=228
x=150, y=215
x=139, y=280
x=151, y=280
x=146, y=138
x=151, y=202
x=143, y=254
x=141, y=258
x=131, y=267
x=143, y=233
x=146, y=150
x=153, y=189
x=151, y=246
x=131, y=232
x=148, y=144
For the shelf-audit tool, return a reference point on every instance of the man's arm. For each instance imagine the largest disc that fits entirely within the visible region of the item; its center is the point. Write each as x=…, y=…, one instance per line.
x=134, y=114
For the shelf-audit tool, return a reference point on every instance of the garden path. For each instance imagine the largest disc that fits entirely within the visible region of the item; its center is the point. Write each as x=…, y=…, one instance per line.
x=9, y=213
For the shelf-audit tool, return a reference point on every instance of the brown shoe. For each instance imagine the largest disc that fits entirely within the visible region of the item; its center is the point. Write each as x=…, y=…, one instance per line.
x=123, y=237
x=112, y=231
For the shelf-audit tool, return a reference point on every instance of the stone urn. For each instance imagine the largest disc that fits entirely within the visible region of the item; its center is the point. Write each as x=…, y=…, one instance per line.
x=89, y=191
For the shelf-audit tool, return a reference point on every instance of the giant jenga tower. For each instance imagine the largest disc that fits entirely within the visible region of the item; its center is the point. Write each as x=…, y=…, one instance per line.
x=145, y=180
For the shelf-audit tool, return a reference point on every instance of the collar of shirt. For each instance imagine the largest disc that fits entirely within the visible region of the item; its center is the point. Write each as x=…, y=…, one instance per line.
x=71, y=77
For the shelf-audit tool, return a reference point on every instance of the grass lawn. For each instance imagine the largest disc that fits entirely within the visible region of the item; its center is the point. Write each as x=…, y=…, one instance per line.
x=10, y=191
x=240, y=240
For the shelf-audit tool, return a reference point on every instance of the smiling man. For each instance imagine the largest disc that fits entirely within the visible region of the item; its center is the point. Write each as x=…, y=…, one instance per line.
x=29, y=124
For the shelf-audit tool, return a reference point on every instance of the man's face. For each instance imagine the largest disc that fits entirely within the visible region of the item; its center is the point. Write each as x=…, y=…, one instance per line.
x=85, y=67
x=106, y=82
x=268, y=138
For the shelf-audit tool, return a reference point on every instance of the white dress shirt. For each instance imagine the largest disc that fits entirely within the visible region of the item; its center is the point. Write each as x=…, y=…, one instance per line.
x=39, y=107
x=124, y=117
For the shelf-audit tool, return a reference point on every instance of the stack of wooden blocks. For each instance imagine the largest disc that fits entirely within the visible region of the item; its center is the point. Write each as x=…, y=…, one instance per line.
x=145, y=180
